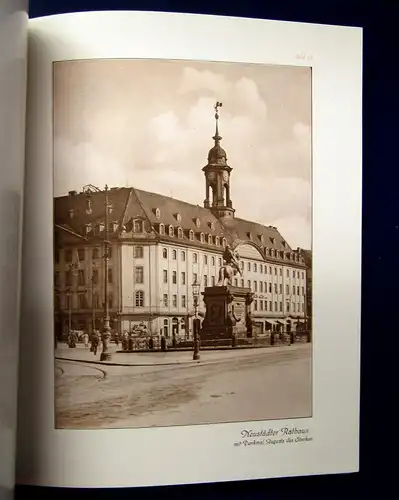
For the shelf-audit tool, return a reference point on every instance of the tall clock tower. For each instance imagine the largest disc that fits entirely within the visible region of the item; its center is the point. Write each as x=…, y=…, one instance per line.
x=217, y=177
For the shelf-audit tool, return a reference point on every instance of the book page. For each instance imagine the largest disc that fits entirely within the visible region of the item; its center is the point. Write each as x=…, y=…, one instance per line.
x=13, y=59
x=193, y=212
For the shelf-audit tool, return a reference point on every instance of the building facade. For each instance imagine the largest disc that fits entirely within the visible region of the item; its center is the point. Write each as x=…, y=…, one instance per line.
x=160, y=246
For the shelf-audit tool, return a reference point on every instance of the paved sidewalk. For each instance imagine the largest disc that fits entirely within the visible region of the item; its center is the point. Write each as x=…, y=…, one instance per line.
x=83, y=354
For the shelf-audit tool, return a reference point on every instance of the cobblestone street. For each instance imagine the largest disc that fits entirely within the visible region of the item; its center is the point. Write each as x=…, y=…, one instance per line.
x=225, y=386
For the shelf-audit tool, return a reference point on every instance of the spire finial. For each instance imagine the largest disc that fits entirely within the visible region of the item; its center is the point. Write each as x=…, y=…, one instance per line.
x=216, y=107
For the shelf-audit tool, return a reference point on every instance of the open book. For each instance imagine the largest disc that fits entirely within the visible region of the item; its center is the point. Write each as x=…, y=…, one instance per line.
x=190, y=269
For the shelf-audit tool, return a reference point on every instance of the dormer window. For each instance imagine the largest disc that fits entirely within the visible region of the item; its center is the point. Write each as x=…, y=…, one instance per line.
x=180, y=232
x=138, y=226
x=191, y=235
x=171, y=231
x=267, y=252
x=272, y=240
x=272, y=252
x=87, y=229
x=283, y=243
x=217, y=241
x=249, y=236
x=223, y=242
x=71, y=213
x=210, y=239
x=197, y=222
x=212, y=226
x=161, y=229
x=202, y=237
x=157, y=213
x=178, y=217
x=101, y=227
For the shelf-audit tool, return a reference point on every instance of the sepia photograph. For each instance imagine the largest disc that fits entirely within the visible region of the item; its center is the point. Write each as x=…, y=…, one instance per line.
x=182, y=243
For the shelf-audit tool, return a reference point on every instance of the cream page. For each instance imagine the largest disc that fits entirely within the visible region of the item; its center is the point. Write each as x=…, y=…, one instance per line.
x=330, y=57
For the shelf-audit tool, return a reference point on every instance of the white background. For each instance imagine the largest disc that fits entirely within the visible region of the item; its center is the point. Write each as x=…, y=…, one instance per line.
x=203, y=453
x=13, y=57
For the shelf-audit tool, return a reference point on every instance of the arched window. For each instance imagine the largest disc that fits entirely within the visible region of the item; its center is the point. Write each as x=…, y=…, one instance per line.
x=165, y=253
x=138, y=226
x=195, y=258
x=178, y=217
x=174, y=254
x=171, y=231
x=202, y=238
x=161, y=228
x=180, y=232
x=157, y=213
x=191, y=235
x=166, y=327
x=139, y=298
x=197, y=222
x=217, y=241
x=183, y=256
x=209, y=239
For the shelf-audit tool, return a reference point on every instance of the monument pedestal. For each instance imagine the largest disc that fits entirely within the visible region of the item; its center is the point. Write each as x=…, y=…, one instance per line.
x=228, y=313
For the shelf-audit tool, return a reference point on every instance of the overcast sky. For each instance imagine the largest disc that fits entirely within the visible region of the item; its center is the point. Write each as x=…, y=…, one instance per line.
x=149, y=124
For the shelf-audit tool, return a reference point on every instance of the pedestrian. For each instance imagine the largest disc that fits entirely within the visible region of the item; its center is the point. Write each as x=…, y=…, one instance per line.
x=95, y=340
x=86, y=339
x=163, y=343
x=151, y=343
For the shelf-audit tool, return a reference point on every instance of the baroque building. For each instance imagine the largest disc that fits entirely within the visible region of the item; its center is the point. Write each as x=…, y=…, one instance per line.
x=158, y=247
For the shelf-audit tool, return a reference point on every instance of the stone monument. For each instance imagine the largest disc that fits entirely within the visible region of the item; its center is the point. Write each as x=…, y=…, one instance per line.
x=228, y=308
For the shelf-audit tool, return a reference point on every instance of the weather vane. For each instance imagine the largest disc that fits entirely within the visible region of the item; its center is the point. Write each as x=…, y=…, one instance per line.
x=217, y=106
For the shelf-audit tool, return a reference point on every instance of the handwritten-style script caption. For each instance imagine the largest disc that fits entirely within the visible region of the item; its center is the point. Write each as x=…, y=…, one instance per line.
x=274, y=436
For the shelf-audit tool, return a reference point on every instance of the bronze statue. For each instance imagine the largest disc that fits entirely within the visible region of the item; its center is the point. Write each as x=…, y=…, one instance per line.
x=231, y=267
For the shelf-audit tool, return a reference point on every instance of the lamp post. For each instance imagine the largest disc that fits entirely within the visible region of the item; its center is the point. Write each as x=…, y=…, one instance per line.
x=93, y=304
x=106, y=334
x=196, y=322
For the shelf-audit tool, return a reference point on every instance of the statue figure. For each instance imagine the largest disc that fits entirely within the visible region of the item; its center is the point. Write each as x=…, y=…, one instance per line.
x=230, y=268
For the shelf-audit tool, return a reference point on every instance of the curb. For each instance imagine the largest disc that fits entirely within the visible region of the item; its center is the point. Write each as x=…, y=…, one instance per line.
x=110, y=363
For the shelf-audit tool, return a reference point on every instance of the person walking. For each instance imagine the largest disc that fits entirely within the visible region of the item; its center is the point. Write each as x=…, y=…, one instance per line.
x=95, y=340
x=86, y=339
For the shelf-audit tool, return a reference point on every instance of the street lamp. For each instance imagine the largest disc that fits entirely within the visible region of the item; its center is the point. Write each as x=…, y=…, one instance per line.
x=88, y=190
x=196, y=322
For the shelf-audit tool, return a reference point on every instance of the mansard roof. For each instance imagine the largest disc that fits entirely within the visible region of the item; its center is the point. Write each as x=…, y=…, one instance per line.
x=129, y=204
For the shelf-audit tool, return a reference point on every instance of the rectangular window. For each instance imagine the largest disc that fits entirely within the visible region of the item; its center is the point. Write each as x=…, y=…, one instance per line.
x=81, y=301
x=183, y=256
x=213, y=281
x=81, y=254
x=220, y=262
x=195, y=258
x=174, y=300
x=110, y=275
x=288, y=273
x=261, y=305
x=249, y=266
x=183, y=278
x=270, y=288
x=213, y=261
x=255, y=305
x=139, y=298
x=281, y=271
x=275, y=306
x=165, y=276
x=287, y=289
x=68, y=278
x=303, y=291
x=288, y=307
x=275, y=271
x=265, y=305
x=139, y=274
x=255, y=286
x=205, y=260
x=174, y=277
x=242, y=283
x=255, y=268
x=260, y=268
x=109, y=252
x=95, y=253
x=94, y=276
x=281, y=307
x=271, y=306
x=138, y=252
x=183, y=301
x=195, y=278
x=297, y=290
x=281, y=289
x=293, y=290
x=81, y=277
x=205, y=280
x=110, y=300
x=249, y=283
x=275, y=287
x=165, y=300
x=164, y=253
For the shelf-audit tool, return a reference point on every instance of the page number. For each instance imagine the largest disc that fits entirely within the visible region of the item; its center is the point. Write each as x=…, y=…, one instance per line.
x=304, y=56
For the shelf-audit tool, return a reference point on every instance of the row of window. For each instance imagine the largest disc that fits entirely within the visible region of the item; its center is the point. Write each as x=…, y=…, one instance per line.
x=264, y=287
x=81, y=277
x=264, y=269
x=80, y=254
x=264, y=305
x=83, y=302
x=201, y=237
